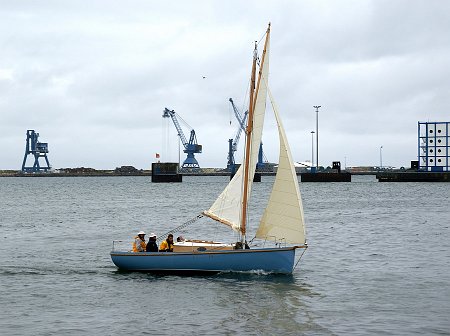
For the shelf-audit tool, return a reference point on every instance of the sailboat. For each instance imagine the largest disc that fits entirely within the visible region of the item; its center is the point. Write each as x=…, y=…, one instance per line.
x=282, y=222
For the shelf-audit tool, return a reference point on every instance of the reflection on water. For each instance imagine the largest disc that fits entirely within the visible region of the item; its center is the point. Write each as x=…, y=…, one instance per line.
x=271, y=302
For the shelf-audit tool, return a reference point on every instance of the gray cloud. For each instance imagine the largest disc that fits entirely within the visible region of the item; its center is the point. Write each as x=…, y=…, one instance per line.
x=93, y=78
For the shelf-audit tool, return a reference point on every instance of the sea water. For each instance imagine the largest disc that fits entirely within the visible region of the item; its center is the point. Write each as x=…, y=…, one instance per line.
x=378, y=261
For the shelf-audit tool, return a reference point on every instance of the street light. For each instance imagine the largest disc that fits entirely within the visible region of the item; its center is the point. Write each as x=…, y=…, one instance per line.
x=381, y=157
x=317, y=135
x=312, y=148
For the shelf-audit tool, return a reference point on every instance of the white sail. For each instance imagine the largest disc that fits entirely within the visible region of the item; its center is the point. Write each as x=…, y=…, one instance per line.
x=227, y=209
x=283, y=216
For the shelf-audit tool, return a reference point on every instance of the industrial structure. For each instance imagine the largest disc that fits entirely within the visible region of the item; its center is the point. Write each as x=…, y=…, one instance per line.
x=233, y=143
x=166, y=172
x=190, y=146
x=434, y=146
x=37, y=150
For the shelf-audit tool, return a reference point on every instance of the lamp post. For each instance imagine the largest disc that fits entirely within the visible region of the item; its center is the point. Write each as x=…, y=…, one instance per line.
x=312, y=148
x=317, y=135
x=381, y=157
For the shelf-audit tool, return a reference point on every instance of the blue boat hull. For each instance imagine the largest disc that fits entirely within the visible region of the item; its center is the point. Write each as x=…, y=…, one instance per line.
x=273, y=260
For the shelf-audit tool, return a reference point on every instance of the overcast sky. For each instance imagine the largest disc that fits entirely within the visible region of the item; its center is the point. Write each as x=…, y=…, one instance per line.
x=93, y=77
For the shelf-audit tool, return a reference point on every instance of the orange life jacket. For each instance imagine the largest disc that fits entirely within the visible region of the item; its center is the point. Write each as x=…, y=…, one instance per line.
x=139, y=242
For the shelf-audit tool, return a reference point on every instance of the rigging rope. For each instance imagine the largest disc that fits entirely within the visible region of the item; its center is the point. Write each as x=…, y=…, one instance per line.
x=179, y=228
x=264, y=34
x=304, y=250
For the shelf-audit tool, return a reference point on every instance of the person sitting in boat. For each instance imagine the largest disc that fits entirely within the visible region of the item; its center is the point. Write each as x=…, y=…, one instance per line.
x=139, y=242
x=180, y=239
x=240, y=246
x=151, y=245
x=167, y=245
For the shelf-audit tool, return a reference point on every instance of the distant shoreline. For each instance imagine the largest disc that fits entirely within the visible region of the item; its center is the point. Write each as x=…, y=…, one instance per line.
x=112, y=173
x=69, y=174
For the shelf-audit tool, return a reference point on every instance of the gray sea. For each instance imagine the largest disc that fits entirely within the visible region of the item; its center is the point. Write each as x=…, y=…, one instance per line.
x=378, y=261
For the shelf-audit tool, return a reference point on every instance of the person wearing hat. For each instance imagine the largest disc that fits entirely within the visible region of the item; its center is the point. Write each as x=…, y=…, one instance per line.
x=139, y=242
x=151, y=245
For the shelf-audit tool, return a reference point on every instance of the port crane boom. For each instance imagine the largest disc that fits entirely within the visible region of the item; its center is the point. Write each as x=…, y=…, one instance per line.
x=233, y=143
x=190, y=146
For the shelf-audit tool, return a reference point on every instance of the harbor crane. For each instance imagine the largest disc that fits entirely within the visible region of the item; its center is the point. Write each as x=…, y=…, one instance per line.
x=233, y=143
x=190, y=146
x=38, y=150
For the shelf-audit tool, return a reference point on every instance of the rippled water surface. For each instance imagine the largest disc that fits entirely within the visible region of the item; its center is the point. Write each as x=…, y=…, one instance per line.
x=378, y=262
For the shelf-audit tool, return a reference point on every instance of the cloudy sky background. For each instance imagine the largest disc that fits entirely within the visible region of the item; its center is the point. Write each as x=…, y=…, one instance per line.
x=93, y=77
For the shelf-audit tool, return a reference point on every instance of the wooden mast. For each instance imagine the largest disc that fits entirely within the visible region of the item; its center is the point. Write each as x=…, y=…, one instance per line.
x=249, y=130
x=248, y=133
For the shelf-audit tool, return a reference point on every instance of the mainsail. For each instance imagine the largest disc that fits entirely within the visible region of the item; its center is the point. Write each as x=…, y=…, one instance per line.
x=283, y=217
x=227, y=209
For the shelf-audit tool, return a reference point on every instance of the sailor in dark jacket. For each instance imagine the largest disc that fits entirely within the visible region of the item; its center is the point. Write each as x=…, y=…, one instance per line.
x=152, y=246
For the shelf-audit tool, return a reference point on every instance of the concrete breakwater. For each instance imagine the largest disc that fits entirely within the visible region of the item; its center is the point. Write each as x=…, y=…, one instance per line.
x=131, y=171
x=67, y=172
x=112, y=174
